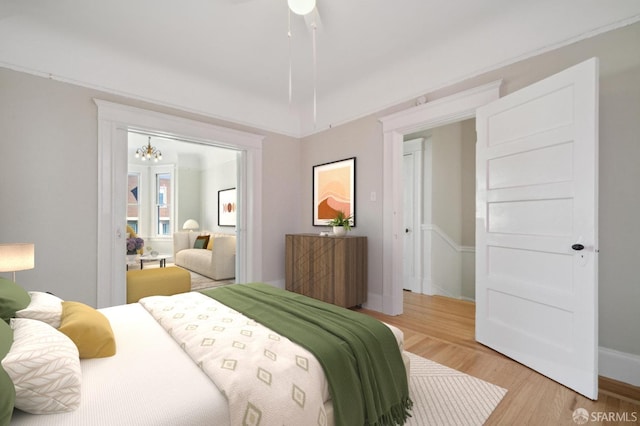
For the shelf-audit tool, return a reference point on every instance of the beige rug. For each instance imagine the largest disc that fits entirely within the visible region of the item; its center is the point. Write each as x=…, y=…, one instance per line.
x=199, y=282
x=443, y=396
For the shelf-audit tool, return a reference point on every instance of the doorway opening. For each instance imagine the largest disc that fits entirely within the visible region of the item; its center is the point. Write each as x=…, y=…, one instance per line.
x=114, y=123
x=439, y=210
x=443, y=111
x=184, y=185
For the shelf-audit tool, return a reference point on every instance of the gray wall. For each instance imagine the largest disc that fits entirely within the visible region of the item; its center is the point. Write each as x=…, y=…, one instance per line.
x=48, y=177
x=446, y=200
x=468, y=160
x=361, y=139
x=223, y=176
x=48, y=182
x=189, y=183
x=619, y=280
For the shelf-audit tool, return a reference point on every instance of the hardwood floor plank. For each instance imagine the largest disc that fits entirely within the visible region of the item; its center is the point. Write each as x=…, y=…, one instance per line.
x=443, y=330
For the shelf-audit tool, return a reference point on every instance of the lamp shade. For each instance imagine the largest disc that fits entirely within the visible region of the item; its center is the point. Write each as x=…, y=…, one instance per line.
x=301, y=7
x=191, y=224
x=17, y=257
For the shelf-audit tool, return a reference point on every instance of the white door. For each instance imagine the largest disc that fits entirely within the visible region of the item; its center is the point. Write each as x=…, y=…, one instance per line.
x=409, y=209
x=413, y=258
x=536, y=227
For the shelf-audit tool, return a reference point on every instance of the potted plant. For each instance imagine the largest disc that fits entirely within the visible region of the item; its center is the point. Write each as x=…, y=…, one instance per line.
x=341, y=223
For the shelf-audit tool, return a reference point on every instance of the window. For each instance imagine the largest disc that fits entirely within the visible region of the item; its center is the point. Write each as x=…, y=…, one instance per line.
x=163, y=203
x=150, y=200
x=133, y=201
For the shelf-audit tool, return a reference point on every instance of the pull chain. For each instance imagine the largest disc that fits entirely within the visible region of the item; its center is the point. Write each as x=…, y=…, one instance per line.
x=290, y=60
x=315, y=66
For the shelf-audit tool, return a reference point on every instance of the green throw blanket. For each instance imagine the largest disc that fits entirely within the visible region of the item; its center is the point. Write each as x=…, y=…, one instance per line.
x=359, y=354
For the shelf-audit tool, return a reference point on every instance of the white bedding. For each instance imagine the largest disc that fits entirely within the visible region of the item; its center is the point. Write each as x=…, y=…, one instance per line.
x=161, y=386
x=263, y=374
x=150, y=381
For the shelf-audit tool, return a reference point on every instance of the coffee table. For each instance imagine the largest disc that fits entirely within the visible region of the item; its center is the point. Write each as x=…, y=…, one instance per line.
x=162, y=258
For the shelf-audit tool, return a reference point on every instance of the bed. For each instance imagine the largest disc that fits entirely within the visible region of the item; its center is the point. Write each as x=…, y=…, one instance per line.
x=156, y=375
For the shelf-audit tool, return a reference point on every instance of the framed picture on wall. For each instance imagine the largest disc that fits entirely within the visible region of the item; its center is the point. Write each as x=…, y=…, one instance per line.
x=227, y=207
x=334, y=189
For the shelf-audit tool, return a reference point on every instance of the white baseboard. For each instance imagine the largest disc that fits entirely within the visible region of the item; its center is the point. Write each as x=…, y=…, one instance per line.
x=439, y=291
x=374, y=302
x=621, y=366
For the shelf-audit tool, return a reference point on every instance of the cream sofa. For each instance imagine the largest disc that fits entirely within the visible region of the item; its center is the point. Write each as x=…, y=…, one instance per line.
x=217, y=262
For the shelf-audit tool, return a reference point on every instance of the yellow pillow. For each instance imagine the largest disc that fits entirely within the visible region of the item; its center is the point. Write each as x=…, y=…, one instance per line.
x=131, y=232
x=89, y=329
x=210, y=244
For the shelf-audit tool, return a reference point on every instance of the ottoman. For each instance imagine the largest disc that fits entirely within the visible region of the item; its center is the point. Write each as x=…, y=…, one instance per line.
x=157, y=282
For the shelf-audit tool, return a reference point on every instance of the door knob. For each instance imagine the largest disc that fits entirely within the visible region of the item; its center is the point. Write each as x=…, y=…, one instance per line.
x=406, y=230
x=577, y=247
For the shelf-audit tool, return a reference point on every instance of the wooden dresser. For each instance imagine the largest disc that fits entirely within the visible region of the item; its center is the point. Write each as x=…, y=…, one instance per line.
x=332, y=269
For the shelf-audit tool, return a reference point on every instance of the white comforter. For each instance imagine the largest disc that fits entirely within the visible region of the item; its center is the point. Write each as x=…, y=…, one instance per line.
x=267, y=378
x=150, y=381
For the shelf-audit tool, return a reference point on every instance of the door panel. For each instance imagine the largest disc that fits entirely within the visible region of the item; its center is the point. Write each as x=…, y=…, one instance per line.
x=409, y=208
x=536, y=165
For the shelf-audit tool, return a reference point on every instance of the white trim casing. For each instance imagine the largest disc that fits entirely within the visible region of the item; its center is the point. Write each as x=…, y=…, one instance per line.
x=114, y=120
x=443, y=111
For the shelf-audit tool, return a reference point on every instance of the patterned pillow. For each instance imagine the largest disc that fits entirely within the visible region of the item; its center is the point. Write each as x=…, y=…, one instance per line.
x=44, y=367
x=43, y=307
x=7, y=391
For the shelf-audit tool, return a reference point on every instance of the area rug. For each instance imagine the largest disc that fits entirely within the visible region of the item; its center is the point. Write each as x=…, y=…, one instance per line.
x=199, y=282
x=443, y=396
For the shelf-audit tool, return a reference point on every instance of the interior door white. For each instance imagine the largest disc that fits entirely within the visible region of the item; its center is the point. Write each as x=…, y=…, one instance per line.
x=409, y=208
x=536, y=227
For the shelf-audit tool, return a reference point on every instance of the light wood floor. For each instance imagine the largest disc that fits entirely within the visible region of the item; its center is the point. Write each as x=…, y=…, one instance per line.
x=442, y=330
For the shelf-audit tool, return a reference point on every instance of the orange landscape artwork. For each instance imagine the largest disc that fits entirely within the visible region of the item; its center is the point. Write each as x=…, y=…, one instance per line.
x=334, y=190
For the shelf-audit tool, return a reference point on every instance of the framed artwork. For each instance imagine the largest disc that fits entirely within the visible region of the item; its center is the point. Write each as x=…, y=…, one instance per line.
x=227, y=207
x=334, y=189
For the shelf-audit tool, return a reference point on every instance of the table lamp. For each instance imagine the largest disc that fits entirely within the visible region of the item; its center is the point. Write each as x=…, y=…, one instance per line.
x=191, y=225
x=16, y=257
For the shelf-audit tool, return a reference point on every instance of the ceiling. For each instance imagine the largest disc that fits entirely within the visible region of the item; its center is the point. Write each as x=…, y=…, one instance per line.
x=230, y=59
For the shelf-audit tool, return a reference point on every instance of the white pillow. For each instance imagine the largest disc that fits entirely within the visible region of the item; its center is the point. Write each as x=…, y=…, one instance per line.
x=44, y=366
x=43, y=307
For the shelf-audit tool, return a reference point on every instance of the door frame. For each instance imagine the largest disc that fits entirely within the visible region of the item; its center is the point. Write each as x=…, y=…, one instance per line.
x=457, y=107
x=114, y=121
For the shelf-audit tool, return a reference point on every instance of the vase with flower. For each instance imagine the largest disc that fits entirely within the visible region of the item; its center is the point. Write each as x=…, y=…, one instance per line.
x=134, y=245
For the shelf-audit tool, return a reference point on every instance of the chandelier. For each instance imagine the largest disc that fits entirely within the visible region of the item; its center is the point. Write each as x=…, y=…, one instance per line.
x=147, y=152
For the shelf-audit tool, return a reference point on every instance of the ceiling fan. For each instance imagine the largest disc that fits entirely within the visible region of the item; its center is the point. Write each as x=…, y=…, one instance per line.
x=305, y=8
x=301, y=7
